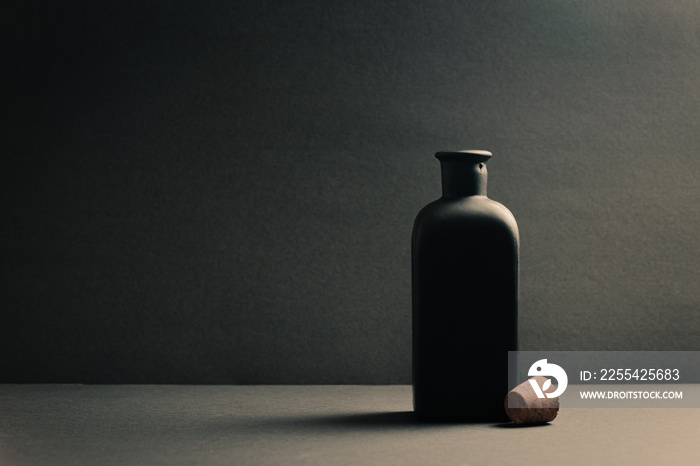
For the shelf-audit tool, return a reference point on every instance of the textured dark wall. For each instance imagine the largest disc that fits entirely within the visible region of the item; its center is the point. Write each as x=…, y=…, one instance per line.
x=223, y=192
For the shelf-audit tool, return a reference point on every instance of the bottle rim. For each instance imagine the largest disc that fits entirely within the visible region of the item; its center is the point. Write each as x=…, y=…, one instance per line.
x=464, y=155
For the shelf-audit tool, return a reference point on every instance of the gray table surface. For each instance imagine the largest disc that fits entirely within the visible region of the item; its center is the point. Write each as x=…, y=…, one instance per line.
x=316, y=425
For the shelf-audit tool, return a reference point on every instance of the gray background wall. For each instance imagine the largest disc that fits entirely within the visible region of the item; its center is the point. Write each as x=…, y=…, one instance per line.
x=223, y=192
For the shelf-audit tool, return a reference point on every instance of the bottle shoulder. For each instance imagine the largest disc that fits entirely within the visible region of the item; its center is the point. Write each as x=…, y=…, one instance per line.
x=479, y=210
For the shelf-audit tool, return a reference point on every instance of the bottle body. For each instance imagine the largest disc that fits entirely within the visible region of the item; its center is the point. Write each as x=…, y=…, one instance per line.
x=465, y=252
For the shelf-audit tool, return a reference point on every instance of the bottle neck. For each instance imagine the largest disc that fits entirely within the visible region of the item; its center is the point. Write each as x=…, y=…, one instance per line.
x=463, y=178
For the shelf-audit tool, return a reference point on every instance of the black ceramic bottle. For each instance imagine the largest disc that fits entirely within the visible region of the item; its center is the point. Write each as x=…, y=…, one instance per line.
x=465, y=251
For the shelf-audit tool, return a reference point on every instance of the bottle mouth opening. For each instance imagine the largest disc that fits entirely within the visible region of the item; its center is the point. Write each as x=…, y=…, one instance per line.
x=475, y=156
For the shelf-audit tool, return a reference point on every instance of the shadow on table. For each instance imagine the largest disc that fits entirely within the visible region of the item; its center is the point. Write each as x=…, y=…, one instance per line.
x=390, y=419
x=513, y=425
x=379, y=423
x=401, y=419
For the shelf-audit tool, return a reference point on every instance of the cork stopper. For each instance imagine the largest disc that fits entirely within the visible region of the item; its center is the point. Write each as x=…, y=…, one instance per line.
x=524, y=407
